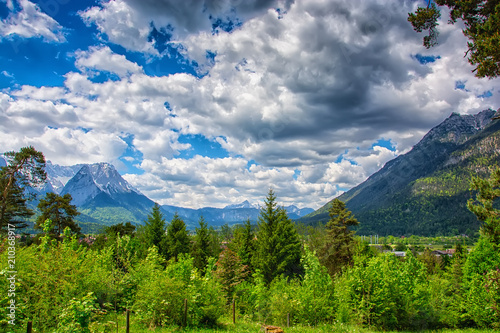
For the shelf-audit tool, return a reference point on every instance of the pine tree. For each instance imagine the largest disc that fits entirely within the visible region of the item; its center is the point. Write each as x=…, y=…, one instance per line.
x=488, y=191
x=154, y=230
x=244, y=244
x=24, y=169
x=60, y=210
x=202, y=245
x=338, y=249
x=278, y=245
x=177, y=238
x=230, y=271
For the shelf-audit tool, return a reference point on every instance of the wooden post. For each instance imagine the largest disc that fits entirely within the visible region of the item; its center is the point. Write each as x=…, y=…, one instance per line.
x=127, y=328
x=30, y=327
x=288, y=320
x=234, y=312
x=185, y=312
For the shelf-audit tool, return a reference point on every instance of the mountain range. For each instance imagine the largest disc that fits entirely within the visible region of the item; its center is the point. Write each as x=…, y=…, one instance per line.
x=425, y=191
x=104, y=197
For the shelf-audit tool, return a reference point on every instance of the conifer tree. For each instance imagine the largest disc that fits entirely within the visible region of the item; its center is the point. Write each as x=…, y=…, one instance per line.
x=278, y=245
x=60, y=210
x=24, y=169
x=487, y=192
x=244, y=244
x=177, y=238
x=202, y=245
x=154, y=230
x=338, y=249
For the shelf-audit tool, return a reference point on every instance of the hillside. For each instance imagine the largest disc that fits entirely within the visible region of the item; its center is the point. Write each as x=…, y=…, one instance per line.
x=424, y=191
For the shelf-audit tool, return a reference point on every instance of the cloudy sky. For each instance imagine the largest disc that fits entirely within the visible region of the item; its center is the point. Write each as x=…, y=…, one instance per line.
x=207, y=103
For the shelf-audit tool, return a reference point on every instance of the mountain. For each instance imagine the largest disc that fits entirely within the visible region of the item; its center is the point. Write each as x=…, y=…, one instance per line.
x=244, y=204
x=424, y=191
x=103, y=196
x=231, y=214
x=58, y=176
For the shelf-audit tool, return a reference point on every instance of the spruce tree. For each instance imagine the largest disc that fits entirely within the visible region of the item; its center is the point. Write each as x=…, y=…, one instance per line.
x=278, y=245
x=60, y=210
x=244, y=244
x=338, y=249
x=177, y=238
x=154, y=230
x=202, y=245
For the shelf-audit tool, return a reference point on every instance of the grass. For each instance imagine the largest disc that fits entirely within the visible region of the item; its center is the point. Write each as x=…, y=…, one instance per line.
x=242, y=326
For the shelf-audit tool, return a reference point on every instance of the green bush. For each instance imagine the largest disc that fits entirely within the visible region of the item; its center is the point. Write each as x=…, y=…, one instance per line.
x=385, y=293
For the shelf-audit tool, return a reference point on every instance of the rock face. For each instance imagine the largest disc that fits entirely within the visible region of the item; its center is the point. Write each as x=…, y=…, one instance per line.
x=425, y=190
x=95, y=179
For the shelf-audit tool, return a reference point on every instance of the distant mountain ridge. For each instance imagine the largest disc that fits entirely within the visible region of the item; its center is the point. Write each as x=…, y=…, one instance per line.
x=103, y=196
x=424, y=191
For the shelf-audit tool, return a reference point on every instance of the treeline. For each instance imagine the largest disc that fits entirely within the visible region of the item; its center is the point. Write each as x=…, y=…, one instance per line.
x=63, y=282
x=67, y=284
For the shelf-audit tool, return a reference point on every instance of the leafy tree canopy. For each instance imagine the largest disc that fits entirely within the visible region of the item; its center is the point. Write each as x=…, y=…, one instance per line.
x=482, y=28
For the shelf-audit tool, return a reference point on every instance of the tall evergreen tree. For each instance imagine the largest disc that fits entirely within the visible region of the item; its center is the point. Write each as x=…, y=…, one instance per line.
x=487, y=193
x=338, y=249
x=278, y=245
x=177, y=238
x=202, y=245
x=60, y=210
x=24, y=169
x=244, y=244
x=154, y=230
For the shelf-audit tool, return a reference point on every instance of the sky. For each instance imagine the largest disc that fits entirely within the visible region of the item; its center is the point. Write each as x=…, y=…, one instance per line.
x=209, y=103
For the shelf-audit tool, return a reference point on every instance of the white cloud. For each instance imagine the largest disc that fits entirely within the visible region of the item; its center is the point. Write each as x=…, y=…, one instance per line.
x=291, y=92
x=29, y=22
x=103, y=59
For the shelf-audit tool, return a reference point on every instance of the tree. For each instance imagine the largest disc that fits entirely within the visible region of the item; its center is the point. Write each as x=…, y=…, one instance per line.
x=202, y=245
x=231, y=272
x=488, y=190
x=60, y=210
x=154, y=230
x=24, y=169
x=177, y=238
x=244, y=244
x=338, y=249
x=482, y=28
x=278, y=245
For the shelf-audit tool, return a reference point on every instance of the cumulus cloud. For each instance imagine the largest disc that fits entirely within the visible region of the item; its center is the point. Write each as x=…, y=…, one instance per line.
x=297, y=99
x=130, y=23
x=29, y=21
x=102, y=59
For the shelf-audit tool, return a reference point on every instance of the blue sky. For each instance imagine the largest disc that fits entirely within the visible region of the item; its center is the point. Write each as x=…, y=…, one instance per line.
x=210, y=103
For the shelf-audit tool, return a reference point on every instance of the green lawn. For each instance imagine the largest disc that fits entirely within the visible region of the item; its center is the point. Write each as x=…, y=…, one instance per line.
x=226, y=325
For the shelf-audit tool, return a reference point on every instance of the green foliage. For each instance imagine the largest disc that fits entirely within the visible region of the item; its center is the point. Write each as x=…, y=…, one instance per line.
x=482, y=28
x=154, y=230
x=481, y=286
x=60, y=210
x=488, y=190
x=177, y=238
x=77, y=315
x=385, y=293
x=231, y=272
x=278, y=245
x=243, y=244
x=24, y=169
x=202, y=245
x=337, y=251
x=161, y=294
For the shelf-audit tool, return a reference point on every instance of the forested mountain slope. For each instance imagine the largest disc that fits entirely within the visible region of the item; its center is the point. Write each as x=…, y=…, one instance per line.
x=425, y=191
